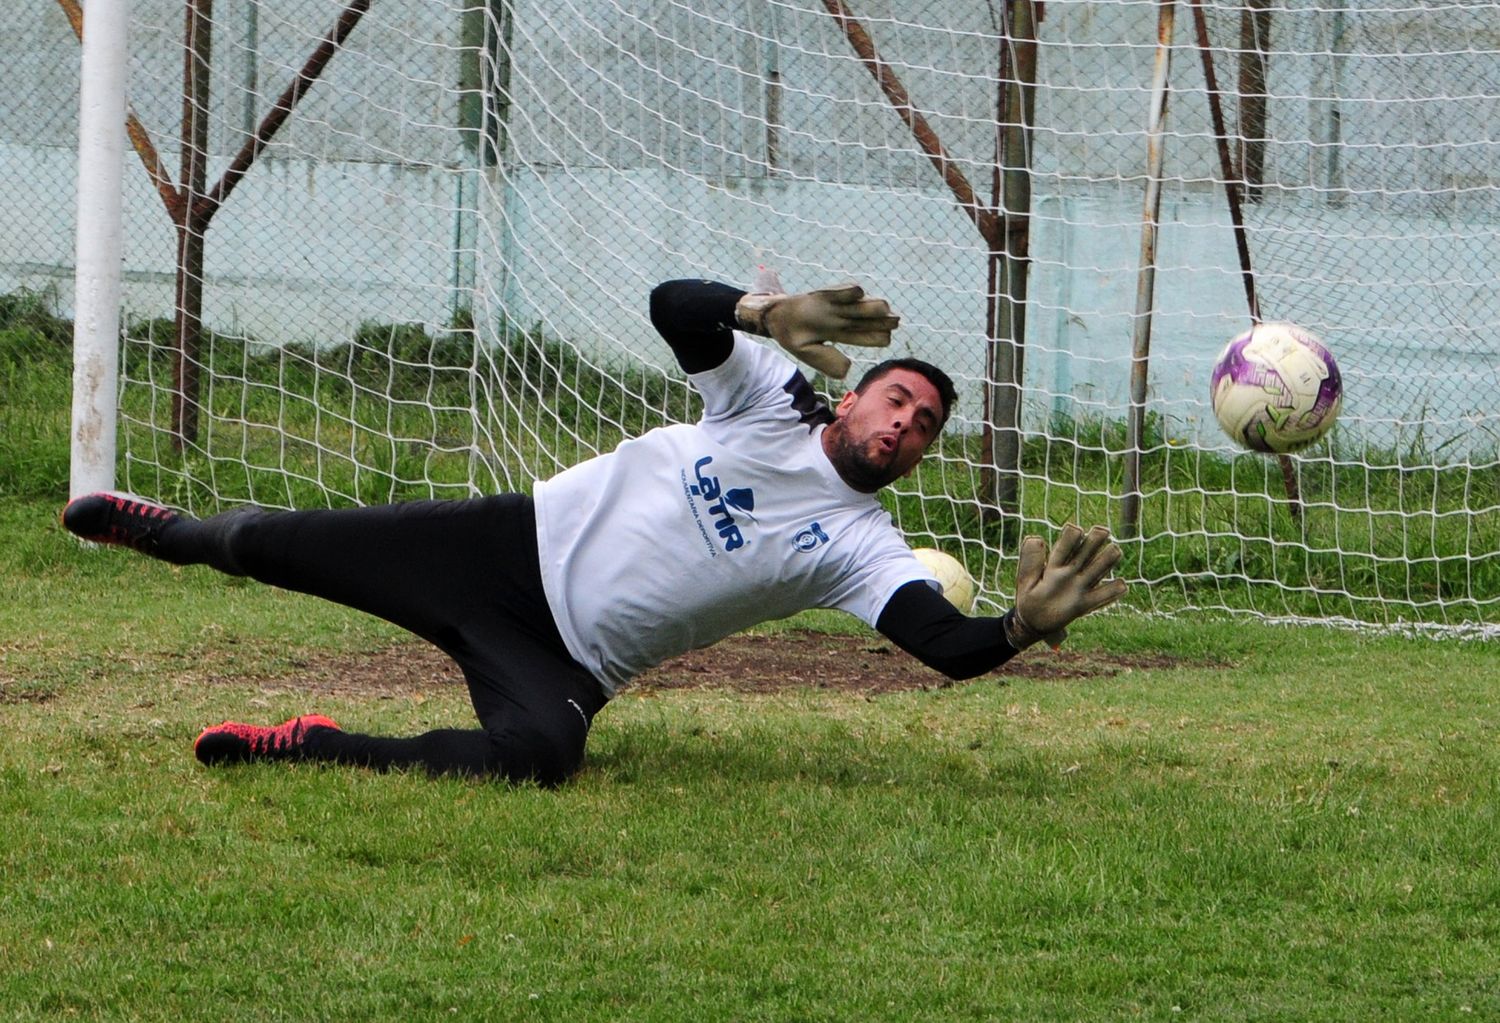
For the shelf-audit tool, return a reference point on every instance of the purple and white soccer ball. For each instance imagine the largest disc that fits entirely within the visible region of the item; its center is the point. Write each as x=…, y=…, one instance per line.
x=1276, y=388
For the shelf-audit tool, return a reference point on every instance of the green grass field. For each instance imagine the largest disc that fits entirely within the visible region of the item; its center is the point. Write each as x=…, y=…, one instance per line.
x=1307, y=831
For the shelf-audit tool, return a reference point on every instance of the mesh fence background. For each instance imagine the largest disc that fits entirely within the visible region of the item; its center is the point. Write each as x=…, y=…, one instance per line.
x=433, y=279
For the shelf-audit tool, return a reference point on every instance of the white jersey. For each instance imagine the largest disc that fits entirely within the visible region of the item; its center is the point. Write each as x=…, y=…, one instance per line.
x=689, y=533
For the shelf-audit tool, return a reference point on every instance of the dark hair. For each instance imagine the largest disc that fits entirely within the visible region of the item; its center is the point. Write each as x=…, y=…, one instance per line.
x=936, y=377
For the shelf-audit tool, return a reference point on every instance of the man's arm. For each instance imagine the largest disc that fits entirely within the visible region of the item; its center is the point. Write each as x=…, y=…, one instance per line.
x=1054, y=588
x=920, y=621
x=697, y=319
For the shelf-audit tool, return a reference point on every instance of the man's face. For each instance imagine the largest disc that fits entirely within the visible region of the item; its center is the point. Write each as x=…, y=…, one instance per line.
x=879, y=436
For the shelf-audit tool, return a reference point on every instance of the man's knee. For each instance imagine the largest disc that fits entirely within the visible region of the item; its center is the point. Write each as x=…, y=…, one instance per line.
x=545, y=752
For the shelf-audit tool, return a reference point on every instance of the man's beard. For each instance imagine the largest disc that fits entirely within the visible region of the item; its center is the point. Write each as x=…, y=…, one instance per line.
x=855, y=467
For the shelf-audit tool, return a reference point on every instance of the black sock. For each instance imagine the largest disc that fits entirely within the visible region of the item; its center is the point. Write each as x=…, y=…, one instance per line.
x=207, y=541
x=441, y=751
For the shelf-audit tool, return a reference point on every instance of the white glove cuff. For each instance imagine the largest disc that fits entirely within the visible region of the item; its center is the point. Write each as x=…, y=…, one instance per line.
x=751, y=311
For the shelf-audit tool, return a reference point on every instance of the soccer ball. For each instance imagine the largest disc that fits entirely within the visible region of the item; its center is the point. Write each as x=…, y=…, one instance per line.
x=957, y=583
x=1276, y=388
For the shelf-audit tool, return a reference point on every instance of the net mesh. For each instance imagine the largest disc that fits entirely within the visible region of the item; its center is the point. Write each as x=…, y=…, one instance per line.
x=433, y=280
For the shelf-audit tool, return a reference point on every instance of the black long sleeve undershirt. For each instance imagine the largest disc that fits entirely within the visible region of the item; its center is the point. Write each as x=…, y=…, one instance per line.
x=920, y=621
x=697, y=319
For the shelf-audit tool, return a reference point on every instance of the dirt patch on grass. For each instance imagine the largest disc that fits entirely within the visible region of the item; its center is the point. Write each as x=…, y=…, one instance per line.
x=747, y=663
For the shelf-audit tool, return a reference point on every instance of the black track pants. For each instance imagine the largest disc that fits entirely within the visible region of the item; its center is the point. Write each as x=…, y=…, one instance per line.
x=462, y=574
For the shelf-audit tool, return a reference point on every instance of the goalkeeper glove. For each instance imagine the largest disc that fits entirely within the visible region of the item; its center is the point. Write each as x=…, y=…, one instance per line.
x=1053, y=590
x=808, y=325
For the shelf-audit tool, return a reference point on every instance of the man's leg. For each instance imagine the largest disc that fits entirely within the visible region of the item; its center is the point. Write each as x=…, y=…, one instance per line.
x=536, y=708
x=423, y=565
x=462, y=574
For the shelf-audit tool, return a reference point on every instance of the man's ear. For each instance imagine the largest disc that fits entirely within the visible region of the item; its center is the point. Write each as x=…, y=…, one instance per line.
x=845, y=403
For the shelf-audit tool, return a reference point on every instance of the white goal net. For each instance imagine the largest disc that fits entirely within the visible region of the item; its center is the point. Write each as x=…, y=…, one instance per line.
x=432, y=278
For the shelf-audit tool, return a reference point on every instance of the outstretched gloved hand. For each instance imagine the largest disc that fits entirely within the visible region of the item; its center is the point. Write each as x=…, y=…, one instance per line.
x=808, y=325
x=1054, y=590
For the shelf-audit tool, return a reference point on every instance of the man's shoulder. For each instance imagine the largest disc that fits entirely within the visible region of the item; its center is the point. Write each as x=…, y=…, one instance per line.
x=811, y=410
x=788, y=400
x=758, y=378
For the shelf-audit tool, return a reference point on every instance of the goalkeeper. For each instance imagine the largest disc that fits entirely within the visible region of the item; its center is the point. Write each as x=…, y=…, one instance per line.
x=549, y=604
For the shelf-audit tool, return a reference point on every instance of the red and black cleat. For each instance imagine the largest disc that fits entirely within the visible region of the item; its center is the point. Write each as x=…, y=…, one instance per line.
x=120, y=519
x=236, y=743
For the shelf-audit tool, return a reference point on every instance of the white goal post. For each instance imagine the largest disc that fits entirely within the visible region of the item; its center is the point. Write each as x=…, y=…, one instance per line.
x=413, y=240
x=98, y=247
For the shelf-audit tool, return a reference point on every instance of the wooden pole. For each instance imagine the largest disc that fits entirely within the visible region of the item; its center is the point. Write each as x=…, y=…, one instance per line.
x=140, y=139
x=205, y=205
x=198, y=53
x=895, y=93
x=1145, y=291
x=1009, y=266
x=1233, y=189
x=1255, y=42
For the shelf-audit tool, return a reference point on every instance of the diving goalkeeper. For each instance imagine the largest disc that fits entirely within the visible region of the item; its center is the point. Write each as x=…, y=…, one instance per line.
x=549, y=604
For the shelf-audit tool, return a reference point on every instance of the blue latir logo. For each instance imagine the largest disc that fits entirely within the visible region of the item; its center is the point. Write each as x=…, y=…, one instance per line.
x=741, y=499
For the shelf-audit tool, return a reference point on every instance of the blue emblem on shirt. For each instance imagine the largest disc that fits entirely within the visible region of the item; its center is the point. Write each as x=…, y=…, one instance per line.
x=740, y=499
x=809, y=539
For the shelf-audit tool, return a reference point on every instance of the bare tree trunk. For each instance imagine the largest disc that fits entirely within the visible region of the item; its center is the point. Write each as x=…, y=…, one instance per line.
x=1009, y=264
x=198, y=47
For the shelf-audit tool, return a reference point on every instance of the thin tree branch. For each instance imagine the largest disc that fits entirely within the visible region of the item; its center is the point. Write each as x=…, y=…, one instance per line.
x=983, y=216
x=205, y=207
x=140, y=139
x=1232, y=182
